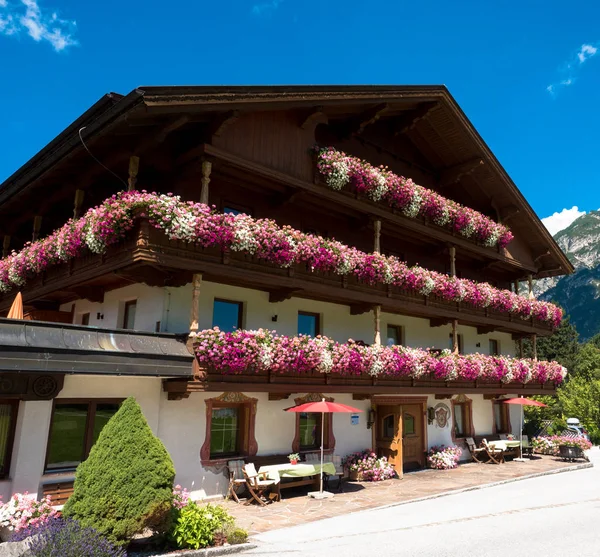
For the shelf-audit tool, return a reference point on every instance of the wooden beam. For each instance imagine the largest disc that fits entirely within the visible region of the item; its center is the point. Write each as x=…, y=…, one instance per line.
x=134, y=166
x=539, y=256
x=452, y=251
x=195, y=303
x=77, y=204
x=172, y=126
x=6, y=246
x=443, y=396
x=507, y=213
x=453, y=174
x=314, y=118
x=220, y=124
x=37, y=225
x=282, y=294
x=206, y=170
x=357, y=124
x=530, y=286
x=485, y=330
x=490, y=396
x=455, y=346
x=361, y=396
x=281, y=200
x=92, y=293
x=408, y=122
x=359, y=309
x=438, y=322
x=279, y=396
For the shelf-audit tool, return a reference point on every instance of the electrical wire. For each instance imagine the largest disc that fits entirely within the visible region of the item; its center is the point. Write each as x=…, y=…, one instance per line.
x=102, y=165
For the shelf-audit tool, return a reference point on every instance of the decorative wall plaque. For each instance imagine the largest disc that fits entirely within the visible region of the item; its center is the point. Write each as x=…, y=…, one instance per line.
x=442, y=415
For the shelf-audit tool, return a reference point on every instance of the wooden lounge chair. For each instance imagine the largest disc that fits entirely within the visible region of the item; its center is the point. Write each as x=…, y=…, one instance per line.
x=495, y=455
x=258, y=485
x=478, y=454
x=237, y=481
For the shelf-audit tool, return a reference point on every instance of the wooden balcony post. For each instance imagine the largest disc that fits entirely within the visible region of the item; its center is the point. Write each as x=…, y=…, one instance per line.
x=6, y=246
x=534, y=346
x=516, y=286
x=530, y=284
x=377, y=309
x=206, y=170
x=134, y=166
x=452, y=250
x=196, y=282
x=37, y=225
x=79, y=195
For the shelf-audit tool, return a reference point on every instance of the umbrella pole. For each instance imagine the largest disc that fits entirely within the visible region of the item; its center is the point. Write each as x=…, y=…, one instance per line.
x=322, y=428
x=521, y=432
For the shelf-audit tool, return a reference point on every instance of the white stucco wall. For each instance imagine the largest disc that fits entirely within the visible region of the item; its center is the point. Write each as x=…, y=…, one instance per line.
x=171, y=306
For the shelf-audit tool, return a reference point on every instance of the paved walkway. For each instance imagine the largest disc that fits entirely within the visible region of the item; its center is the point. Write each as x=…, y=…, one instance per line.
x=296, y=508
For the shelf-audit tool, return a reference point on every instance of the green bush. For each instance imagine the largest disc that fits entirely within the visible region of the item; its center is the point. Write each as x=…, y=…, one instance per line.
x=195, y=526
x=237, y=536
x=126, y=483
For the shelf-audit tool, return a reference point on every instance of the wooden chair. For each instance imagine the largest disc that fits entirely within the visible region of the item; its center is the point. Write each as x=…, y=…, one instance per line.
x=477, y=453
x=496, y=455
x=237, y=481
x=258, y=485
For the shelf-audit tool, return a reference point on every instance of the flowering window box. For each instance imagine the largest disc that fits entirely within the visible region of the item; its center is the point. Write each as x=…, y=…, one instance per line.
x=567, y=452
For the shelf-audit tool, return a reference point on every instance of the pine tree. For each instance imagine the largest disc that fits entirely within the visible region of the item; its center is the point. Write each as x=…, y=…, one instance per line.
x=126, y=483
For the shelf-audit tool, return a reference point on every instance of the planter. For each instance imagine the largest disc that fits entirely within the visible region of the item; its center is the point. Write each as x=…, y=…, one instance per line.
x=5, y=533
x=570, y=453
x=293, y=462
x=356, y=476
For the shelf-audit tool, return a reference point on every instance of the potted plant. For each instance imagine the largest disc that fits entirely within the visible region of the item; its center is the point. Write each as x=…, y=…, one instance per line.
x=571, y=448
x=366, y=466
x=294, y=458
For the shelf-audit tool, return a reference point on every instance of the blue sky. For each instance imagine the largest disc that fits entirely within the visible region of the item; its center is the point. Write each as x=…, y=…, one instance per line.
x=526, y=73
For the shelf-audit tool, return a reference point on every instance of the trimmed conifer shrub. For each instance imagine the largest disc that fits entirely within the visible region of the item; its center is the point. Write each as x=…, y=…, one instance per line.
x=126, y=483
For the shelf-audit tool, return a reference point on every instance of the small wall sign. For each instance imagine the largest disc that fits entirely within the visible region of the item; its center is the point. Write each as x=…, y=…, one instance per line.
x=354, y=419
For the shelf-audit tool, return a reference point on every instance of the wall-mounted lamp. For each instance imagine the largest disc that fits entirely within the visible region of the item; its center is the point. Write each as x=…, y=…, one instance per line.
x=370, y=418
x=99, y=315
x=478, y=345
x=274, y=318
x=430, y=415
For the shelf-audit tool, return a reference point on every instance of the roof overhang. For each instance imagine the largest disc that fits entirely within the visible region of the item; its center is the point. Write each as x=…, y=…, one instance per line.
x=172, y=100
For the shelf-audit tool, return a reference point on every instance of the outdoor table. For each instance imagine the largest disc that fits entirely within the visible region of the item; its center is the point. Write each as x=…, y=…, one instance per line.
x=505, y=444
x=303, y=470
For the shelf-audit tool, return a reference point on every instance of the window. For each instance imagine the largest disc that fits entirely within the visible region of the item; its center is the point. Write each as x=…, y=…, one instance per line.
x=234, y=209
x=85, y=319
x=389, y=426
x=309, y=323
x=75, y=427
x=310, y=425
x=494, y=347
x=8, y=420
x=408, y=424
x=129, y=314
x=460, y=343
x=227, y=315
x=225, y=432
x=395, y=335
x=501, y=417
x=462, y=425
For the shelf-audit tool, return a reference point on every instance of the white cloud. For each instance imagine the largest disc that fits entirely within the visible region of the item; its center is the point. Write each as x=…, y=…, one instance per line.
x=266, y=8
x=586, y=51
x=26, y=16
x=570, y=69
x=559, y=221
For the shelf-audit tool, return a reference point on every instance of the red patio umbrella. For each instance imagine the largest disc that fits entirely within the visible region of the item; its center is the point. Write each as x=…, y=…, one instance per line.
x=522, y=401
x=323, y=407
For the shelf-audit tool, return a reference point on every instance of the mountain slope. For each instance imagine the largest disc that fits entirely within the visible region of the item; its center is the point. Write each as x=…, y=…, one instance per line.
x=579, y=293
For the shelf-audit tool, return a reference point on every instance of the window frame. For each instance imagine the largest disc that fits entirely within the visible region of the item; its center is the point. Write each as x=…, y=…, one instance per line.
x=10, y=442
x=321, y=426
x=85, y=317
x=89, y=428
x=236, y=207
x=126, y=308
x=240, y=311
x=247, y=445
x=506, y=426
x=317, y=317
x=467, y=406
x=399, y=333
x=497, y=350
x=326, y=424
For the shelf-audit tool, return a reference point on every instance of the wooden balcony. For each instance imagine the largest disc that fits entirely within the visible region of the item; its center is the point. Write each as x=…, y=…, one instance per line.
x=148, y=256
x=279, y=384
x=48, y=315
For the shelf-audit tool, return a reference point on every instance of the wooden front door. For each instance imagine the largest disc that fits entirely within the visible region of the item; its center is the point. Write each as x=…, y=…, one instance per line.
x=413, y=449
x=389, y=435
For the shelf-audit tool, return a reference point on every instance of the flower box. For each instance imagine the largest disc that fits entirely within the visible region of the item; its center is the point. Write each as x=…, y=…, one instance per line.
x=570, y=453
x=356, y=476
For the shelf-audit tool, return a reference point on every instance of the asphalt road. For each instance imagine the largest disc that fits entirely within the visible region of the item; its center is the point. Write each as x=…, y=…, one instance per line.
x=557, y=515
